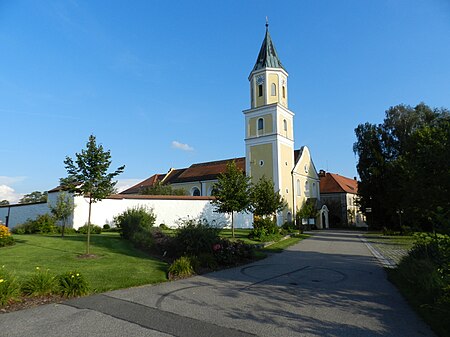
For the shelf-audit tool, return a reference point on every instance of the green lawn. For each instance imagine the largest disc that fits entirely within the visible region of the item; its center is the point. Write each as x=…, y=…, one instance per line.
x=279, y=246
x=239, y=234
x=118, y=264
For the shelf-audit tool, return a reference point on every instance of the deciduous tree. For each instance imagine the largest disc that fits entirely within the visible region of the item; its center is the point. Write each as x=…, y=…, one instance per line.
x=33, y=197
x=404, y=165
x=88, y=176
x=63, y=209
x=232, y=192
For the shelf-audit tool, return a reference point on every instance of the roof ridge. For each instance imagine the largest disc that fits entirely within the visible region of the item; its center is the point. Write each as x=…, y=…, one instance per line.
x=342, y=179
x=222, y=161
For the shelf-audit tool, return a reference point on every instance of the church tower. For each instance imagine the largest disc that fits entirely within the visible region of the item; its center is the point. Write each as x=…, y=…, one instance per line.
x=269, y=138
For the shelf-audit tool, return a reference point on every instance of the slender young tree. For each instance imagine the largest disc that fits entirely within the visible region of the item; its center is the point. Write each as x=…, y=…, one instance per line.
x=232, y=192
x=63, y=209
x=88, y=176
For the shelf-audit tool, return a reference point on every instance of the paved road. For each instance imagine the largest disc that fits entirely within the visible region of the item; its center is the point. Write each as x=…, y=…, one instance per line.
x=328, y=285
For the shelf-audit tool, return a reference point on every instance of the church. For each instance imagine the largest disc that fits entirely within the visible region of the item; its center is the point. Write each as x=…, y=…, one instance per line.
x=269, y=145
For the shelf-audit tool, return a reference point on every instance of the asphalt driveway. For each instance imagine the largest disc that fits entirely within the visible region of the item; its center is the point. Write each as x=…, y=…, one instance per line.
x=328, y=285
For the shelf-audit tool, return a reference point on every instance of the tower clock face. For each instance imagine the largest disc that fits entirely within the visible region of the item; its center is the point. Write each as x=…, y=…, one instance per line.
x=259, y=79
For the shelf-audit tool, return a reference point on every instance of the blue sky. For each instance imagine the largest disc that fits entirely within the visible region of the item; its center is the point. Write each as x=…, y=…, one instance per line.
x=163, y=83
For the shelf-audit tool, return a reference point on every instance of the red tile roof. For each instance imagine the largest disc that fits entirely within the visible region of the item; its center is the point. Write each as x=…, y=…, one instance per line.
x=195, y=172
x=143, y=184
x=334, y=183
x=205, y=171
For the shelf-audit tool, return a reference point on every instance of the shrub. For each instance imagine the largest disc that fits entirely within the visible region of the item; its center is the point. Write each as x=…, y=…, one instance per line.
x=94, y=229
x=106, y=226
x=228, y=252
x=264, y=229
x=163, y=244
x=424, y=276
x=72, y=284
x=136, y=219
x=41, y=283
x=289, y=227
x=142, y=239
x=207, y=260
x=9, y=287
x=164, y=227
x=195, y=237
x=181, y=267
x=5, y=237
x=43, y=224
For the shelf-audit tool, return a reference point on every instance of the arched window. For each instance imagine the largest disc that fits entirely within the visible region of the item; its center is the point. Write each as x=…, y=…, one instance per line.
x=284, y=91
x=260, y=124
x=314, y=190
x=195, y=192
x=284, y=125
x=273, y=91
x=299, y=192
x=260, y=90
x=306, y=189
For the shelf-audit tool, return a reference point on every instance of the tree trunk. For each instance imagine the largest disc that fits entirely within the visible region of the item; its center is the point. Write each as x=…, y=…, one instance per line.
x=89, y=228
x=232, y=224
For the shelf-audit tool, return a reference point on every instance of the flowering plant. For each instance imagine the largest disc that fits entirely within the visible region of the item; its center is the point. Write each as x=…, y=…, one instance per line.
x=9, y=287
x=5, y=236
x=73, y=284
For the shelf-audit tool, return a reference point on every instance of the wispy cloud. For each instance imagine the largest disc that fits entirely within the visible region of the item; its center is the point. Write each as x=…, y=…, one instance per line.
x=181, y=146
x=4, y=180
x=8, y=193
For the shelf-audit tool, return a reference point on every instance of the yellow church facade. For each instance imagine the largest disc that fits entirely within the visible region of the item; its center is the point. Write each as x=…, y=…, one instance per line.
x=269, y=144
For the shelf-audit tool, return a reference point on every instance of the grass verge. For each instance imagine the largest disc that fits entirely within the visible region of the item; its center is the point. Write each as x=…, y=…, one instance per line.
x=117, y=264
x=435, y=315
x=279, y=246
x=239, y=234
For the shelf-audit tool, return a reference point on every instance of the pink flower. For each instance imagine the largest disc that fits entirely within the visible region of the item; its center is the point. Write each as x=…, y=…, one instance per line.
x=217, y=247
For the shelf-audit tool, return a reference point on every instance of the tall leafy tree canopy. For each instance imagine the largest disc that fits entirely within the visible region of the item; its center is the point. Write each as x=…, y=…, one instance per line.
x=404, y=166
x=33, y=197
x=88, y=175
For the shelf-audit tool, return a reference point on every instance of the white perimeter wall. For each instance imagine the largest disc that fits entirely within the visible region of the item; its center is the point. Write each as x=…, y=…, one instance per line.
x=21, y=213
x=167, y=211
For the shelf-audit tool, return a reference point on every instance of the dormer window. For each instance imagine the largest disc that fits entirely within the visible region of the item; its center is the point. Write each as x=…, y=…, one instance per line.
x=273, y=89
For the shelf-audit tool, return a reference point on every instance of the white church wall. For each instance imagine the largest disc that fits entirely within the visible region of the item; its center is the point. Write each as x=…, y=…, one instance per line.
x=168, y=211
